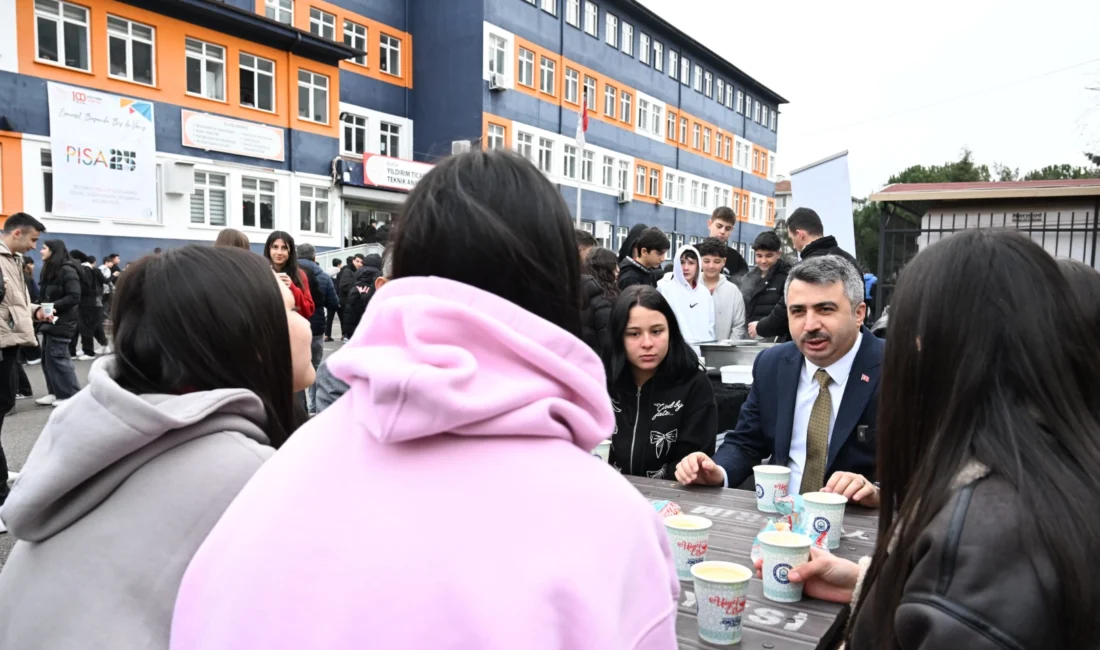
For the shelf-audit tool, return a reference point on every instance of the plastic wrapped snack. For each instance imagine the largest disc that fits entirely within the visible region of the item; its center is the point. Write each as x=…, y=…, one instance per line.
x=665, y=508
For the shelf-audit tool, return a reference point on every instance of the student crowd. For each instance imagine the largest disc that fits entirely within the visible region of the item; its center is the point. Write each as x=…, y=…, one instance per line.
x=185, y=500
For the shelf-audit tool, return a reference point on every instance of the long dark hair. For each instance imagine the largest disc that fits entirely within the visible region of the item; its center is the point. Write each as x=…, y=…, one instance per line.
x=498, y=204
x=1085, y=283
x=971, y=371
x=59, y=256
x=601, y=264
x=201, y=318
x=627, y=248
x=679, y=364
x=291, y=266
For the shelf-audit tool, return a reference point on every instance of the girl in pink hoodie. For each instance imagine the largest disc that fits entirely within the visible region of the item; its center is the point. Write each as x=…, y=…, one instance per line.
x=449, y=499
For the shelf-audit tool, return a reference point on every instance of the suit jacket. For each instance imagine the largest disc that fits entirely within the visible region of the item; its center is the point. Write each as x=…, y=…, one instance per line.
x=767, y=418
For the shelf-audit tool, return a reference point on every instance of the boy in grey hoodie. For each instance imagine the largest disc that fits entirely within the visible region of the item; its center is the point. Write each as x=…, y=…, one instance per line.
x=729, y=305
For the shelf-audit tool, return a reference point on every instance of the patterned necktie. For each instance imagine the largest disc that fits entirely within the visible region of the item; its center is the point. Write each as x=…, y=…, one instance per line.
x=817, y=436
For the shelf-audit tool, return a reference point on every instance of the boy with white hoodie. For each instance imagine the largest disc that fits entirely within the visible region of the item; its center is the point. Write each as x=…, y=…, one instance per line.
x=729, y=305
x=689, y=299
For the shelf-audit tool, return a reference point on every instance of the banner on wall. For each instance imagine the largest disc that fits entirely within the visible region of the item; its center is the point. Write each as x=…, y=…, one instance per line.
x=104, y=155
x=224, y=134
x=392, y=173
x=823, y=186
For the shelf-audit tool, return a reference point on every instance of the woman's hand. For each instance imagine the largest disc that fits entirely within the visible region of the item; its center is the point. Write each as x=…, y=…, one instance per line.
x=284, y=278
x=825, y=576
x=854, y=486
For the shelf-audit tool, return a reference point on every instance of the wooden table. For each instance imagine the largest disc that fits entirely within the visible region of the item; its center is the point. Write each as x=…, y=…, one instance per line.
x=767, y=625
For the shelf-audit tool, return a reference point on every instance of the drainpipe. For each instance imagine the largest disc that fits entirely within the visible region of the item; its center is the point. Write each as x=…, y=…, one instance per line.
x=680, y=113
x=1095, y=228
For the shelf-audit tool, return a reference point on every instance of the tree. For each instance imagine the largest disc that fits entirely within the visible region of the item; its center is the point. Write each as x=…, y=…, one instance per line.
x=1066, y=172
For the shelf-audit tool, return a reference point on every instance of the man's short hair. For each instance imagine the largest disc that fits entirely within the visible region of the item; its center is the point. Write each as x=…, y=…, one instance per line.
x=584, y=238
x=767, y=241
x=361, y=257
x=351, y=258
x=724, y=213
x=306, y=251
x=111, y=257
x=652, y=239
x=78, y=255
x=28, y=261
x=91, y=259
x=828, y=269
x=713, y=247
x=22, y=221
x=806, y=219
x=336, y=261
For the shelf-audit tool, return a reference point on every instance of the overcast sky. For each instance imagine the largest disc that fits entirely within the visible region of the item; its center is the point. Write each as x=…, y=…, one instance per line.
x=861, y=75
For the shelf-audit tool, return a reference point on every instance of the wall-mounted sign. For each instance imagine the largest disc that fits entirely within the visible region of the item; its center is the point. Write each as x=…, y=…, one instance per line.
x=394, y=173
x=104, y=154
x=216, y=133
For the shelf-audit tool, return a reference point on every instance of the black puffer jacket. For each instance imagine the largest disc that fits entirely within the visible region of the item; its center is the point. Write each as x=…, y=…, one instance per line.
x=632, y=273
x=64, y=292
x=362, y=291
x=594, y=317
x=345, y=280
x=91, y=286
x=762, y=294
x=776, y=324
x=827, y=246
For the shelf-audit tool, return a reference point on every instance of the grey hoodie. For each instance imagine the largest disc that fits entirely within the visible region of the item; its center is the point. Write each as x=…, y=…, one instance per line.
x=729, y=311
x=117, y=495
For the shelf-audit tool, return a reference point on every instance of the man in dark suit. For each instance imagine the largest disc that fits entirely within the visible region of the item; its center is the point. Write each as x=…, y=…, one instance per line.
x=812, y=403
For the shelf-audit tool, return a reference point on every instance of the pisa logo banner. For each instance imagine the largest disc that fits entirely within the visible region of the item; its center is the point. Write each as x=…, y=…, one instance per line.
x=104, y=155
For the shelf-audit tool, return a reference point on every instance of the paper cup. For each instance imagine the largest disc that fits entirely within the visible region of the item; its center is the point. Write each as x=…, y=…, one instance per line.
x=824, y=513
x=783, y=551
x=720, y=589
x=688, y=535
x=771, y=482
x=47, y=309
x=603, y=450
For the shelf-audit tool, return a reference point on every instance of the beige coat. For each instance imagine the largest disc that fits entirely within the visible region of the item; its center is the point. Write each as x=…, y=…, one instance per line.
x=16, y=311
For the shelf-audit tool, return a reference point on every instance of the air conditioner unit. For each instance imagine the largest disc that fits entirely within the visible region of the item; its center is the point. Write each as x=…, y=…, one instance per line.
x=496, y=82
x=461, y=146
x=603, y=230
x=624, y=197
x=178, y=178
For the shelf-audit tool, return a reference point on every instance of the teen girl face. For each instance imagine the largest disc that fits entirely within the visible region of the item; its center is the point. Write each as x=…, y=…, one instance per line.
x=646, y=338
x=279, y=252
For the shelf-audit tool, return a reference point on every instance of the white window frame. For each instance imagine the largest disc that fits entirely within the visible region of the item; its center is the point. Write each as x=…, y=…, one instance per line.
x=683, y=130
x=390, y=133
x=309, y=194
x=773, y=124
x=608, y=170
x=498, y=54
x=695, y=193
x=719, y=90
x=496, y=137
x=312, y=84
x=590, y=93
x=611, y=101
x=670, y=182
x=658, y=56
x=756, y=111
x=708, y=84
x=706, y=139
x=591, y=19
x=525, y=74
x=729, y=96
x=278, y=10
x=322, y=24
x=129, y=38
x=656, y=121
x=626, y=103
x=60, y=20
x=352, y=38
x=673, y=64
x=350, y=125
x=627, y=40
x=588, y=163
x=546, y=155
x=257, y=73
x=698, y=81
x=389, y=55
x=206, y=58
x=671, y=119
x=696, y=136
x=611, y=29
x=681, y=181
x=569, y=162
x=548, y=69
x=654, y=182
x=771, y=166
x=643, y=47
x=45, y=157
x=207, y=187
x=524, y=144
x=704, y=196
x=641, y=175
x=550, y=7
x=729, y=148
x=573, y=13
x=259, y=196
x=685, y=71
x=624, y=176
x=741, y=102
x=643, y=114
x=572, y=82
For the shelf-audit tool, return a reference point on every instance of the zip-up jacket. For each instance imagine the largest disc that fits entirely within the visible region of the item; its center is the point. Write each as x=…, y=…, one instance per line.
x=660, y=423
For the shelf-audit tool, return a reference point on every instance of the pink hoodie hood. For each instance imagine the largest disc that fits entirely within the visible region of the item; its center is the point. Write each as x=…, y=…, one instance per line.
x=493, y=369
x=448, y=500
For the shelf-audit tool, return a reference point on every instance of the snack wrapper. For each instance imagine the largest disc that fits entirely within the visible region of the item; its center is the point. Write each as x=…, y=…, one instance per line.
x=791, y=517
x=665, y=508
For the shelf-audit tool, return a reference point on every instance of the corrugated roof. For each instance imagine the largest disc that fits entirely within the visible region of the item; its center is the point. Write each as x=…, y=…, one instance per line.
x=783, y=187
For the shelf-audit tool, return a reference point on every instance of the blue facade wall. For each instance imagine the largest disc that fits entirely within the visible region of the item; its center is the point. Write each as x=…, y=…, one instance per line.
x=374, y=94
x=247, y=5
x=395, y=13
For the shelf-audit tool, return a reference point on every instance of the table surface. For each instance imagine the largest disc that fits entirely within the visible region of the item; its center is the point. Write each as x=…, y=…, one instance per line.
x=767, y=625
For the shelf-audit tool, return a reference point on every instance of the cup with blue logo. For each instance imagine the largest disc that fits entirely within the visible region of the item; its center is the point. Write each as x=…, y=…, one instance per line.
x=824, y=517
x=689, y=536
x=783, y=551
x=720, y=590
x=771, y=482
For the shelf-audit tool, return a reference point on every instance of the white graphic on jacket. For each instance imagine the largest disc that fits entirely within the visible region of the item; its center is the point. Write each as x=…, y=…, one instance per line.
x=663, y=441
x=658, y=474
x=663, y=410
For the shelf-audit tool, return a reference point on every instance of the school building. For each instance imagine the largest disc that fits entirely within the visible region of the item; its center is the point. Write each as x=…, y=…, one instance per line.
x=127, y=125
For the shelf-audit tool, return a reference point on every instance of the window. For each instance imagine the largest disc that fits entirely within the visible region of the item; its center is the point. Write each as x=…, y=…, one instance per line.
x=643, y=48
x=312, y=96
x=526, y=67
x=708, y=84
x=280, y=10
x=756, y=111
x=205, y=70
x=698, y=85
x=643, y=114
x=671, y=125
x=531, y=2
x=547, y=70
x=322, y=24
x=627, y=109
x=706, y=140
x=658, y=56
x=685, y=71
x=695, y=192
x=546, y=155
x=610, y=95
x=668, y=187
x=390, y=140
x=640, y=175
x=591, y=16
x=655, y=123
x=572, y=78
x=498, y=50
x=47, y=178
x=573, y=12
x=654, y=182
x=208, y=199
x=524, y=145
x=313, y=204
x=628, y=39
x=706, y=196
x=623, y=232
x=130, y=50
x=695, y=131
x=729, y=96
x=680, y=189
x=257, y=82
x=611, y=29
x=569, y=168
x=771, y=165
x=683, y=130
x=608, y=171
x=586, y=166
x=355, y=35
x=740, y=102
x=755, y=160
x=389, y=55
x=773, y=121
x=550, y=7
x=62, y=34
x=496, y=136
x=589, y=93
x=354, y=140
x=257, y=203
x=729, y=144
x=624, y=175
x=673, y=64
x=720, y=87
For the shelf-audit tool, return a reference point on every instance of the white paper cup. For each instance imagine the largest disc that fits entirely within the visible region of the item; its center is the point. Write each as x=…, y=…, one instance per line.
x=771, y=482
x=688, y=535
x=720, y=589
x=824, y=513
x=47, y=309
x=603, y=450
x=783, y=551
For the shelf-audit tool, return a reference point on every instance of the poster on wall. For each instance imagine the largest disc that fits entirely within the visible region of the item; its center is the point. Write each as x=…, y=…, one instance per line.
x=104, y=155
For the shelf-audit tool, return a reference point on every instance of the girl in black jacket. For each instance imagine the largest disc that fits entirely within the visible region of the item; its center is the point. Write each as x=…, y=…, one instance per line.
x=60, y=285
x=664, y=404
x=599, y=288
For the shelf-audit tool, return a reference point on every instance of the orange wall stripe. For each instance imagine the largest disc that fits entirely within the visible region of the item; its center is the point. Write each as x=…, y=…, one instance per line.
x=11, y=173
x=489, y=118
